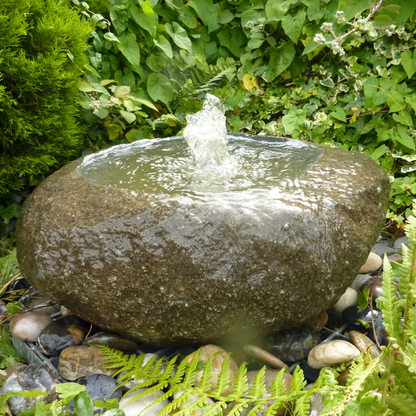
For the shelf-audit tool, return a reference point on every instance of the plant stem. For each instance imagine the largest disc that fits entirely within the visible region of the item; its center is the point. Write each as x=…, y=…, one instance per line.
x=409, y=298
x=386, y=373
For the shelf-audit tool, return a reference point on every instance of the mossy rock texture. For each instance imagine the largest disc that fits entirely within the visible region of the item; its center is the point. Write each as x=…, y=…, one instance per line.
x=165, y=272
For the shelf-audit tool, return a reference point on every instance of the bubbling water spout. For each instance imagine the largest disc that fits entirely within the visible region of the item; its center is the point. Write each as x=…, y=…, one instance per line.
x=206, y=134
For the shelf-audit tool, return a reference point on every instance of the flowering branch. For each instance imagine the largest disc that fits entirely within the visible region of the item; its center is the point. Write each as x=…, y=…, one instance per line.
x=359, y=24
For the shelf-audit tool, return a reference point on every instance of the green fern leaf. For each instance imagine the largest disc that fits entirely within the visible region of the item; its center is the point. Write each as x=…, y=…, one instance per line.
x=302, y=404
x=223, y=380
x=258, y=389
x=410, y=226
x=401, y=402
x=240, y=384
x=180, y=371
x=298, y=381
x=275, y=406
x=388, y=303
x=206, y=379
x=256, y=408
x=237, y=409
x=278, y=387
x=191, y=370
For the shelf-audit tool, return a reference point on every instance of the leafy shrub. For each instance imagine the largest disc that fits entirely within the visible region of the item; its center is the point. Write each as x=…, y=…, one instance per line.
x=286, y=83
x=42, y=44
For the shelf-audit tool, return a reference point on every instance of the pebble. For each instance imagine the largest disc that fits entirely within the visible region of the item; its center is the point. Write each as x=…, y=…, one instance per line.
x=264, y=357
x=373, y=263
x=398, y=243
x=65, y=332
x=382, y=247
x=80, y=361
x=347, y=299
x=10, y=370
x=192, y=399
x=112, y=341
x=293, y=344
x=32, y=377
x=363, y=343
x=219, y=356
x=137, y=406
x=27, y=326
x=331, y=353
x=99, y=387
x=3, y=308
x=41, y=304
x=359, y=281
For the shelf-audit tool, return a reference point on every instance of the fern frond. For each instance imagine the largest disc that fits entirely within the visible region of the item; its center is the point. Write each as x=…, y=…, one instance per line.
x=411, y=328
x=216, y=409
x=298, y=381
x=401, y=402
x=258, y=389
x=409, y=356
x=275, y=406
x=171, y=406
x=403, y=377
x=302, y=404
x=240, y=384
x=410, y=226
x=359, y=372
x=256, y=408
x=389, y=304
x=206, y=379
x=180, y=371
x=190, y=371
x=405, y=270
x=237, y=409
x=223, y=381
x=278, y=387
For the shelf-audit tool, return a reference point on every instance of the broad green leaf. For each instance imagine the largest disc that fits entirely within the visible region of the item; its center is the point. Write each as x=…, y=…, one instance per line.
x=404, y=138
x=130, y=49
x=85, y=86
x=293, y=25
x=390, y=8
x=293, y=121
x=280, y=59
x=144, y=16
x=9, y=212
x=208, y=12
x=225, y=17
x=276, y=9
x=69, y=389
x=403, y=117
x=408, y=62
x=179, y=36
x=379, y=98
x=234, y=40
x=352, y=7
x=339, y=114
x=119, y=19
x=84, y=405
x=160, y=88
x=380, y=151
x=110, y=36
x=40, y=409
x=370, y=90
x=162, y=43
x=8, y=266
x=129, y=117
x=145, y=102
x=102, y=112
x=382, y=20
x=121, y=90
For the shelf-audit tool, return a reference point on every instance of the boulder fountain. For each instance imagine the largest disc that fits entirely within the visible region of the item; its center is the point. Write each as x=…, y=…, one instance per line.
x=235, y=234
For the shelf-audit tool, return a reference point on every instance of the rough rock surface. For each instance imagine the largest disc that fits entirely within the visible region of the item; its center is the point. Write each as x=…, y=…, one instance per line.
x=165, y=272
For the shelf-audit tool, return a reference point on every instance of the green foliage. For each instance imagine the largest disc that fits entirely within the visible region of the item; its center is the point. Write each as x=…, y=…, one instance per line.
x=42, y=44
x=359, y=97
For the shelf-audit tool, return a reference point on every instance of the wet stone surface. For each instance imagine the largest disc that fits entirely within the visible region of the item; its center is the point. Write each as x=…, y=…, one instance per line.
x=32, y=377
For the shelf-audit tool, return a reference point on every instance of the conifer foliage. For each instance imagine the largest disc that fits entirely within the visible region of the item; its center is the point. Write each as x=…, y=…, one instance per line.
x=42, y=45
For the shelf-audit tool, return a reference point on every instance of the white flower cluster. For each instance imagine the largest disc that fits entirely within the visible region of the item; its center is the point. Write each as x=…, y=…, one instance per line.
x=253, y=27
x=337, y=49
x=95, y=105
x=339, y=15
x=326, y=27
x=362, y=24
x=319, y=39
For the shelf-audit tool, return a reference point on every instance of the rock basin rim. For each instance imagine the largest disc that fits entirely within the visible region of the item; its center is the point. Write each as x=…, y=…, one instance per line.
x=171, y=273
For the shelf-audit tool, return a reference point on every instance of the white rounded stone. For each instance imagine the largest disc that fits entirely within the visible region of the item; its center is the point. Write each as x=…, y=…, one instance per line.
x=331, y=353
x=192, y=399
x=27, y=326
x=135, y=407
x=373, y=263
x=347, y=299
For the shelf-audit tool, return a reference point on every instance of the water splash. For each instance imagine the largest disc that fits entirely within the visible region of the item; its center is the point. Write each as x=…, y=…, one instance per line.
x=206, y=134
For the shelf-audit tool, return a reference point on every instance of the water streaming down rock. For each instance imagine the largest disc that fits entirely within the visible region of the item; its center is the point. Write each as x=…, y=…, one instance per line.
x=140, y=240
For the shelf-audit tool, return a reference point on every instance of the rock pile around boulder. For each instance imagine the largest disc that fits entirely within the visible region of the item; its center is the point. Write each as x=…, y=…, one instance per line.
x=170, y=271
